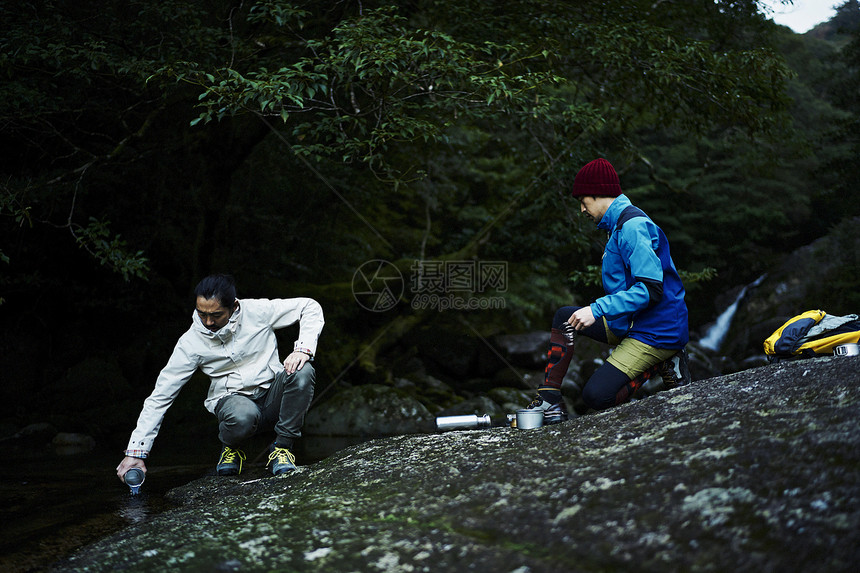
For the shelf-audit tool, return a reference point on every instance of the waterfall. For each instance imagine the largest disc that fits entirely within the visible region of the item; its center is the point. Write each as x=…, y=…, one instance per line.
x=715, y=335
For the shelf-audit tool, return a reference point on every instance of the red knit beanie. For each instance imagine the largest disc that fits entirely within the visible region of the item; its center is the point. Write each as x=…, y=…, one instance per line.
x=597, y=178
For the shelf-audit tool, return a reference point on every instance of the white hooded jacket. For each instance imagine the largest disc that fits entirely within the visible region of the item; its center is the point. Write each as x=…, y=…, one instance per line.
x=240, y=358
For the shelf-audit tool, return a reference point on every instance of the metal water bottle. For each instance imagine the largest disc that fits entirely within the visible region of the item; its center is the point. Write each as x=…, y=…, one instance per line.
x=133, y=478
x=466, y=422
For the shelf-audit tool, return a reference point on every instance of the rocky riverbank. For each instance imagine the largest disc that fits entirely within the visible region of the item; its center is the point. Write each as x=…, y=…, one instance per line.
x=754, y=471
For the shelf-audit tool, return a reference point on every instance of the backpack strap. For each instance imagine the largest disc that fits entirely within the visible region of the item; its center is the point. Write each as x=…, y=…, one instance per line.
x=629, y=212
x=655, y=288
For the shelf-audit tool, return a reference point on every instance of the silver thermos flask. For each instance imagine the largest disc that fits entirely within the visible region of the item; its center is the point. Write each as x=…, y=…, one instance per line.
x=465, y=422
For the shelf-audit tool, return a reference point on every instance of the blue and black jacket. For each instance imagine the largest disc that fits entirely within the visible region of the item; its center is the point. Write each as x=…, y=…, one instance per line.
x=644, y=295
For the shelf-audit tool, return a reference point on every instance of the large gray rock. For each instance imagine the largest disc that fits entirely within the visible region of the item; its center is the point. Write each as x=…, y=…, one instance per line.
x=755, y=471
x=369, y=410
x=527, y=350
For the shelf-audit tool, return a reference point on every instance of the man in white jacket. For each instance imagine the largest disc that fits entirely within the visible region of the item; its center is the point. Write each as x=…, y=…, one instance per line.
x=233, y=342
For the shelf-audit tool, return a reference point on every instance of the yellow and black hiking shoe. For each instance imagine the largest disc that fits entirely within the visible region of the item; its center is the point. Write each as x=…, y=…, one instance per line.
x=282, y=460
x=230, y=462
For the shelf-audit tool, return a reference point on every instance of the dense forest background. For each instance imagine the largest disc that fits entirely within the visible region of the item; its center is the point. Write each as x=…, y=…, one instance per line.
x=147, y=144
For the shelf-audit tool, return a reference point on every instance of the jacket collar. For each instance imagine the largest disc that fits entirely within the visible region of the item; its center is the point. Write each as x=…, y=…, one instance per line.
x=222, y=335
x=610, y=218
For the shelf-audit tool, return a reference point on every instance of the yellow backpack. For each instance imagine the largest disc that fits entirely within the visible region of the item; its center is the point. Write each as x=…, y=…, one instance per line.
x=813, y=333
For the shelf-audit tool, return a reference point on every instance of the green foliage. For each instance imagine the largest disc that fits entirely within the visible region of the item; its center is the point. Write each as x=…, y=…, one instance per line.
x=590, y=276
x=11, y=206
x=375, y=80
x=111, y=250
x=372, y=82
x=835, y=288
x=289, y=142
x=282, y=14
x=686, y=83
x=383, y=87
x=72, y=100
x=696, y=277
x=839, y=170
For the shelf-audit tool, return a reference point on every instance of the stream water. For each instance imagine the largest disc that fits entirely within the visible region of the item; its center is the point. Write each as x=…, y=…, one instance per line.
x=51, y=505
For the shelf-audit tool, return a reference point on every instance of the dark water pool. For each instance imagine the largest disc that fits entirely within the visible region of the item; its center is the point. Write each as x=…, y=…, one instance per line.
x=51, y=505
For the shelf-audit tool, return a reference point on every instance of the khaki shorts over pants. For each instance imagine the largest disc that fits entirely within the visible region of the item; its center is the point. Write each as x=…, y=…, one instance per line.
x=632, y=356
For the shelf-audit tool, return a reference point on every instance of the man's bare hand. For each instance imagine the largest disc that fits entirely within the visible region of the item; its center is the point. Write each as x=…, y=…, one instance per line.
x=126, y=464
x=295, y=361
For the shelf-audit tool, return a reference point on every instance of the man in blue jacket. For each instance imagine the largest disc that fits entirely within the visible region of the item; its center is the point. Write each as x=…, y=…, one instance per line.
x=643, y=314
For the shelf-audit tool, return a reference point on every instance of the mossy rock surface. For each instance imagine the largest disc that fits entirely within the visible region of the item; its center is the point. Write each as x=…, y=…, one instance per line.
x=755, y=471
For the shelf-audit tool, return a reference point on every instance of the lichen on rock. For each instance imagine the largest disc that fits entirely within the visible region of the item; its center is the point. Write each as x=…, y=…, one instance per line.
x=758, y=470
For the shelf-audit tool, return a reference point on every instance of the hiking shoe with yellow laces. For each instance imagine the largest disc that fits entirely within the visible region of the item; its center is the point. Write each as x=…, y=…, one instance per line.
x=282, y=460
x=230, y=462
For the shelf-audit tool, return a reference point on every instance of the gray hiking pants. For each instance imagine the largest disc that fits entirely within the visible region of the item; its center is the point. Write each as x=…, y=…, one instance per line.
x=282, y=408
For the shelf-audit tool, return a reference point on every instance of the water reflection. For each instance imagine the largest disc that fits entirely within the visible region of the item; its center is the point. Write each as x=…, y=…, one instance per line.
x=135, y=508
x=51, y=505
